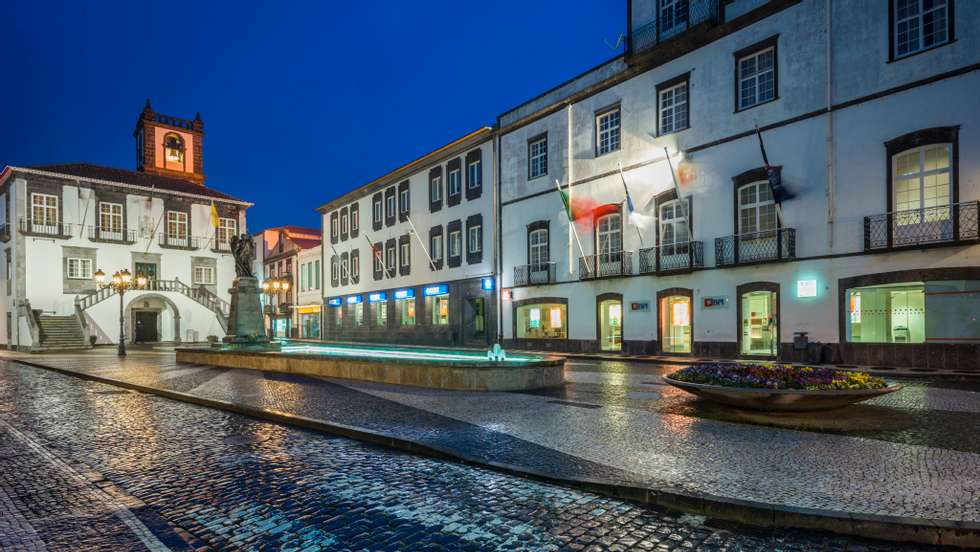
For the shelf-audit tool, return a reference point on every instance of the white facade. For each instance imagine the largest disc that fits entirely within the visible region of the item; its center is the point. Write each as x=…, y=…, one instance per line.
x=49, y=264
x=825, y=128
x=309, y=291
x=450, y=197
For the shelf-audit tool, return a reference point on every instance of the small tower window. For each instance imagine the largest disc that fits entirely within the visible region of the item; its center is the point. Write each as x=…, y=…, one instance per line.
x=173, y=148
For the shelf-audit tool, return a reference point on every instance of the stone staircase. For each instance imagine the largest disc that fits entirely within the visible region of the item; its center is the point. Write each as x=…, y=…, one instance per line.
x=61, y=333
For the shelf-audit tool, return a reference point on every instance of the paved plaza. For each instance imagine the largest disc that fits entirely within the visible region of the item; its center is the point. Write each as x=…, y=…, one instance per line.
x=910, y=455
x=88, y=466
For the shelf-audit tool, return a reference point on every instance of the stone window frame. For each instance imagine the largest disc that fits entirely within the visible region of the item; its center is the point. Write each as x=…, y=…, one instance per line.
x=671, y=84
x=892, y=28
x=542, y=153
x=755, y=50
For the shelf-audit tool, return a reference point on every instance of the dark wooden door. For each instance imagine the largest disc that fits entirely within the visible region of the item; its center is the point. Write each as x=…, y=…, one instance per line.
x=146, y=326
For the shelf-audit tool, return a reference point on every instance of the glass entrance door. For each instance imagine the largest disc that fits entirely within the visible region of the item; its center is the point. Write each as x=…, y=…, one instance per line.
x=611, y=325
x=759, y=326
x=147, y=269
x=675, y=323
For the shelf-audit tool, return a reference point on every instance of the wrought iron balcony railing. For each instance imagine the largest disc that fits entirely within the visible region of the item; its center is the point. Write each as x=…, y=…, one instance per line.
x=221, y=245
x=117, y=235
x=177, y=241
x=669, y=258
x=926, y=226
x=534, y=274
x=45, y=228
x=668, y=23
x=604, y=265
x=756, y=247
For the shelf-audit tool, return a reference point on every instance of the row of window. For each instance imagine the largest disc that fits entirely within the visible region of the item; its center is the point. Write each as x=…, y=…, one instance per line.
x=309, y=275
x=46, y=213
x=374, y=312
x=453, y=188
x=83, y=268
x=917, y=25
x=345, y=223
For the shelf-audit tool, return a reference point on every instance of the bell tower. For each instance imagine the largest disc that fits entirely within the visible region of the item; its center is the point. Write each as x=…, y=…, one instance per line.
x=169, y=146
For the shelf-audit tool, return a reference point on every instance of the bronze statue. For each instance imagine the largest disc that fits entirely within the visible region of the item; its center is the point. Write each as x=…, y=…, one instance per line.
x=244, y=251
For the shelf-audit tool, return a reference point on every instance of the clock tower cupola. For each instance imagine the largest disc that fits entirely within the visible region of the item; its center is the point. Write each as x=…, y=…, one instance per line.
x=169, y=146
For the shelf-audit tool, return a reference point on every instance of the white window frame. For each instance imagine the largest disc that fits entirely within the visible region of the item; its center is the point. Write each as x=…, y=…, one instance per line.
x=537, y=158
x=673, y=17
x=390, y=259
x=435, y=189
x=378, y=207
x=78, y=268
x=673, y=227
x=227, y=227
x=913, y=25
x=178, y=225
x=760, y=208
x=345, y=267
x=377, y=261
x=344, y=223
x=110, y=217
x=927, y=196
x=355, y=220
x=609, y=236
x=201, y=270
x=47, y=206
x=474, y=239
x=403, y=198
x=335, y=226
x=435, y=244
x=454, y=187
x=405, y=254
x=355, y=268
x=390, y=205
x=673, y=116
x=455, y=243
x=608, y=124
x=474, y=170
x=751, y=80
x=537, y=242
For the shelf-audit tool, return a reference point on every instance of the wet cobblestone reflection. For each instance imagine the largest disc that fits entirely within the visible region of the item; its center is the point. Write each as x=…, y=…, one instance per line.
x=219, y=481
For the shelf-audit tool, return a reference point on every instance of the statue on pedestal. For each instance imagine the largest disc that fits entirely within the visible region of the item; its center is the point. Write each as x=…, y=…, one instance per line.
x=246, y=327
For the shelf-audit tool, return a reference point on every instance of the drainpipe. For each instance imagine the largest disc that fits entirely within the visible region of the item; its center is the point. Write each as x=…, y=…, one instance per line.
x=830, y=130
x=498, y=244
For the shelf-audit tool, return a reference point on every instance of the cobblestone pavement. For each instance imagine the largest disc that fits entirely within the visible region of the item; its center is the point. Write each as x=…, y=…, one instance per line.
x=912, y=454
x=86, y=466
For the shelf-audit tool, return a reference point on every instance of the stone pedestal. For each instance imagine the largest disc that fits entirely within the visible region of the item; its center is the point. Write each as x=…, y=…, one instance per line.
x=246, y=327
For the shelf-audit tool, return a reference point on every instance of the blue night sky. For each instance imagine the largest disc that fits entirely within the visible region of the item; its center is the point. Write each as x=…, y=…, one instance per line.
x=301, y=102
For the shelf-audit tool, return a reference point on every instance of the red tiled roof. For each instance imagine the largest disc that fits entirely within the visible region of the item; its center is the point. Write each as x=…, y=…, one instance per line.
x=147, y=180
x=304, y=243
x=301, y=230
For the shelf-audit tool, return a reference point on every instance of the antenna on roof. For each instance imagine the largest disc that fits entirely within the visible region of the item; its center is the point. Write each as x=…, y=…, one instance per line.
x=619, y=41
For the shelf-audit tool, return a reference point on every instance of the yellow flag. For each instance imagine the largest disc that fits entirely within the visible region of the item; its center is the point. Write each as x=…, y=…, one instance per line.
x=214, y=215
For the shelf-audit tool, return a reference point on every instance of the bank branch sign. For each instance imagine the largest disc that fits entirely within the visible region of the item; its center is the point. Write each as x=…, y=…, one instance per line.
x=806, y=288
x=441, y=289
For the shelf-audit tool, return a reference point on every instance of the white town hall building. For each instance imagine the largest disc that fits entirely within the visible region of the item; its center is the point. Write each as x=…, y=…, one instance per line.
x=59, y=224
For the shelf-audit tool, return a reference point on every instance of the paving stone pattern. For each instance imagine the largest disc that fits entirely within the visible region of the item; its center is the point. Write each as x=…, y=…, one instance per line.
x=226, y=482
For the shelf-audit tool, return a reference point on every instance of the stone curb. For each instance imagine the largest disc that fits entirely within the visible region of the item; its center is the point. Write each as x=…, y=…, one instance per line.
x=758, y=514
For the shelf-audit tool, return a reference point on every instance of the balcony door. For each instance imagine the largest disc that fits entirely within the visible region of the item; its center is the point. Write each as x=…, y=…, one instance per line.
x=921, y=205
x=538, y=256
x=757, y=222
x=674, y=237
x=609, y=244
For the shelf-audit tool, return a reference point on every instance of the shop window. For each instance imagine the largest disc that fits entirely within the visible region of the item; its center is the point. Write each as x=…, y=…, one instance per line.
x=542, y=321
x=381, y=313
x=675, y=324
x=610, y=320
x=759, y=323
x=358, y=313
x=438, y=308
x=891, y=313
x=406, y=310
x=338, y=316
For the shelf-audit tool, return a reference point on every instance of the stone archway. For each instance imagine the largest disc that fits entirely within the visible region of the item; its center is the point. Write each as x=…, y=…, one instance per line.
x=167, y=316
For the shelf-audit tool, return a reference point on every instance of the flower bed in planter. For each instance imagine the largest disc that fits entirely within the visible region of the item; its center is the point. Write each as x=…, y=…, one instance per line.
x=778, y=386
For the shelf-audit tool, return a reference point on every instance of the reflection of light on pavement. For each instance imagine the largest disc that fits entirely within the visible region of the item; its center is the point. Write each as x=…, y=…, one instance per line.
x=681, y=426
x=364, y=352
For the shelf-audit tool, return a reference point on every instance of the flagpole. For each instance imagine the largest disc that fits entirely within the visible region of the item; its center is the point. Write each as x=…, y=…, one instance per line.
x=376, y=254
x=571, y=224
x=629, y=203
x=677, y=190
x=765, y=163
x=424, y=250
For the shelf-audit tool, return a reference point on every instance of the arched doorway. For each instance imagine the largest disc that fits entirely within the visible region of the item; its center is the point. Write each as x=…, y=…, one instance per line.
x=609, y=321
x=758, y=313
x=151, y=317
x=675, y=320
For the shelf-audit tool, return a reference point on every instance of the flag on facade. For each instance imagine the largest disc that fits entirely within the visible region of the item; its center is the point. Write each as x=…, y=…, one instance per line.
x=773, y=174
x=215, y=222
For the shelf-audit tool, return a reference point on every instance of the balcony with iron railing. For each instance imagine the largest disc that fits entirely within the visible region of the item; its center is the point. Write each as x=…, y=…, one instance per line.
x=669, y=23
x=46, y=228
x=220, y=246
x=756, y=247
x=534, y=274
x=111, y=235
x=605, y=265
x=672, y=258
x=928, y=226
x=178, y=241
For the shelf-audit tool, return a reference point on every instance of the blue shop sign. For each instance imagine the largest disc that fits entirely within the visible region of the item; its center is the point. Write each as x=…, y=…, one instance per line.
x=488, y=284
x=377, y=297
x=335, y=302
x=353, y=299
x=405, y=294
x=441, y=289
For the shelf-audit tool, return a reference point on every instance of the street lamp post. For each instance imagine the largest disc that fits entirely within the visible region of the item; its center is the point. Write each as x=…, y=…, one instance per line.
x=271, y=288
x=121, y=281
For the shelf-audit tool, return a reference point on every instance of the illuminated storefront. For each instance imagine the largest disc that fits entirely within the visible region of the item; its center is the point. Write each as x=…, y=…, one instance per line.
x=309, y=321
x=437, y=304
x=405, y=306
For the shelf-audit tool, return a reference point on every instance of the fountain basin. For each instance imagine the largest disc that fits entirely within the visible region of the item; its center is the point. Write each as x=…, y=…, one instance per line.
x=418, y=367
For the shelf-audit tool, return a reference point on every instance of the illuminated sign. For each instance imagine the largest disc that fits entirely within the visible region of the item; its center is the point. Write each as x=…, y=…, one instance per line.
x=405, y=294
x=806, y=288
x=376, y=297
x=640, y=306
x=505, y=295
x=354, y=299
x=441, y=289
x=335, y=302
x=488, y=284
x=717, y=302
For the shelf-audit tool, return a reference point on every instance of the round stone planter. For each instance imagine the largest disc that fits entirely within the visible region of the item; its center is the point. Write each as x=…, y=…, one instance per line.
x=787, y=400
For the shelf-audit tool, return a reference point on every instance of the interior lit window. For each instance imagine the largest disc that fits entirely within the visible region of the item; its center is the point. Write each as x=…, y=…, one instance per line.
x=542, y=321
x=173, y=148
